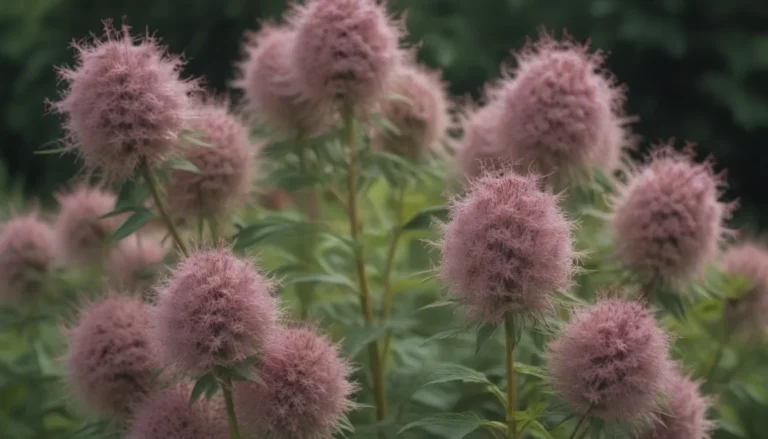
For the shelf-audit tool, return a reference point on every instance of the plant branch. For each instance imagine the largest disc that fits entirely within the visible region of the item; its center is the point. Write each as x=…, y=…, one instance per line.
x=226, y=388
x=387, y=281
x=509, y=357
x=154, y=190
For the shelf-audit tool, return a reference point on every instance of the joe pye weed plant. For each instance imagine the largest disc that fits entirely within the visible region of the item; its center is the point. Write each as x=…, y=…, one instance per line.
x=440, y=268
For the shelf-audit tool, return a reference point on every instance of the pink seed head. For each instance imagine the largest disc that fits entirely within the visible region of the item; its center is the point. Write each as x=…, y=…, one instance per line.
x=418, y=107
x=124, y=102
x=167, y=414
x=480, y=151
x=81, y=237
x=131, y=265
x=225, y=171
x=345, y=50
x=26, y=256
x=749, y=312
x=506, y=248
x=270, y=85
x=562, y=110
x=611, y=359
x=304, y=392
x=667, y=219
x=685, y=414
x=110, y=362
x=214, y=309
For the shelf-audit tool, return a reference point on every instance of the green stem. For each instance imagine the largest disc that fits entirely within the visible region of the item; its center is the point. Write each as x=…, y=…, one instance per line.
x=365, y=294
x=308, y=200
x=154, y=190
x=581, y=421
x=213, y=225
x=226, y=388
x=509, y=357
x=387, y=281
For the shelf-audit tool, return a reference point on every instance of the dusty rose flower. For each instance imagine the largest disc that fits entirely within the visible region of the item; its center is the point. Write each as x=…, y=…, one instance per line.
x=124, y=102
x=132, y=264
x=167, y=414
x=304, y=390
x=611, y=359
x=562, y=110
x=225, y=171
x=749, y=312
x=685, y=414
x=26, y=256
x=110, y=363
x=419, y=111
x=506, y=247
x=215, y=309
x=345, y=50
x=479, y=150
x=81, y=237
x=270, y=85
x=667, y=219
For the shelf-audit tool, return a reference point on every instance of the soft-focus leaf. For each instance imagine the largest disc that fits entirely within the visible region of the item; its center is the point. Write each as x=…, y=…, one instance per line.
x=425, y=218
x=202, y=386
x=451, y=425
x=136, y=221
x=484, y=332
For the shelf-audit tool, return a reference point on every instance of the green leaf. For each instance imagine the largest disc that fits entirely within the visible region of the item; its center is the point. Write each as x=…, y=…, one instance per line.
x=385, y=125
x=52, y=151
x=484, y=332
x=450, y=333
x=195, y=138
x=448, y=425
x=183, y=164
x=456, y=372
x=134, y=222
x=360, y=337
x=534, y=371
x=130, y=199
x=438, y=304
x=202, y=386
x=423, y=219
x=320, y=278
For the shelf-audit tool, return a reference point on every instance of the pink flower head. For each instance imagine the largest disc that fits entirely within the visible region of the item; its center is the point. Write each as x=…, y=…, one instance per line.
x=81, y=237
x=132, y=263
x=418, y=108
x=611, y=360
x=685, y=414
x=750, y=261
x=124, y=102
x=562, y=110
x=167, y=414
x=304, y=390
x=225, y=171
x=480, y=151
x=110, y=362
x=215, y=309
x=668, y=220
x=345, y=50
x=26, y=256
x=272, y=92
x=506, y=248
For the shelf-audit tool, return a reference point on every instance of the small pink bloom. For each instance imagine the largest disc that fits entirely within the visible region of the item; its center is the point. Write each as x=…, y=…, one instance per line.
x=81, y=237
x=26, y=256
x=684, y=416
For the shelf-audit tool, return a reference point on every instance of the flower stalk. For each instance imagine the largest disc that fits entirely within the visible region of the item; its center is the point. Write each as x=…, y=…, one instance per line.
x=154, y=190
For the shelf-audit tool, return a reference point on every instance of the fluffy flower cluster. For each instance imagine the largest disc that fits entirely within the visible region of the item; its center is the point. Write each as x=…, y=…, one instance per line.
x=611, y=360
x=684, y=416
x=225, y=171
x=125, y=102
x=668, y=219
x=26, y=255
x=272, y=93
x=110, y=361
x=304, y=390
x=167, y=414
x=215, y=309
x=506, y=248
x=750, y=261
x=82, y=237
x=418, y=108
x=345, y=50
x=478, y=151
x=130, y=264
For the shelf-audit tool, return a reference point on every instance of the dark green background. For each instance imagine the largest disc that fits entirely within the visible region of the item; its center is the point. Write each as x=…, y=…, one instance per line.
x=696, y=69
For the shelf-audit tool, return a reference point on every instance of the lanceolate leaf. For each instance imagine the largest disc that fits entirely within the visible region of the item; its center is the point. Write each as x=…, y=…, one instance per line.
x=202, y=386
x=484, y=332
x=450, y=425
x=134, y=222
x=457, y=372
x=424, y=219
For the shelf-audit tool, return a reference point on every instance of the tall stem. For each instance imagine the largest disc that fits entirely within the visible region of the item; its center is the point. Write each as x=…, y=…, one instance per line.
x=213, y=224
x=365, y=294
x=226, y=388
x=308, y=200
x=154, y=190
x=387, y=281
x=509, y=356
x=581, y=421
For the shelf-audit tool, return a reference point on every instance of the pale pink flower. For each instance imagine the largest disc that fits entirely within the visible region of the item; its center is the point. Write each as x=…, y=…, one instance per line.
x=26, y=256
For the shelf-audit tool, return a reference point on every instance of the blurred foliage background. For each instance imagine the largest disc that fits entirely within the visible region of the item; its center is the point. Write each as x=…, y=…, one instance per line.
x=696, y=69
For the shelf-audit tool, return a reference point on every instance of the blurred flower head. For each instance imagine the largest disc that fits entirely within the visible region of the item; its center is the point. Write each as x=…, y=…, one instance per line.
x=304, y=390
x=214, y=309
x=611, y=360
x=506, y=248
x=26, y=256
x=345, y=50
x=479, y=150
x=110, y=363
x=684, y=416
x=131, y=263
x=224, y=171
x=270, y=85
x=749, y=312
x=668, y=220
x=81, y=237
